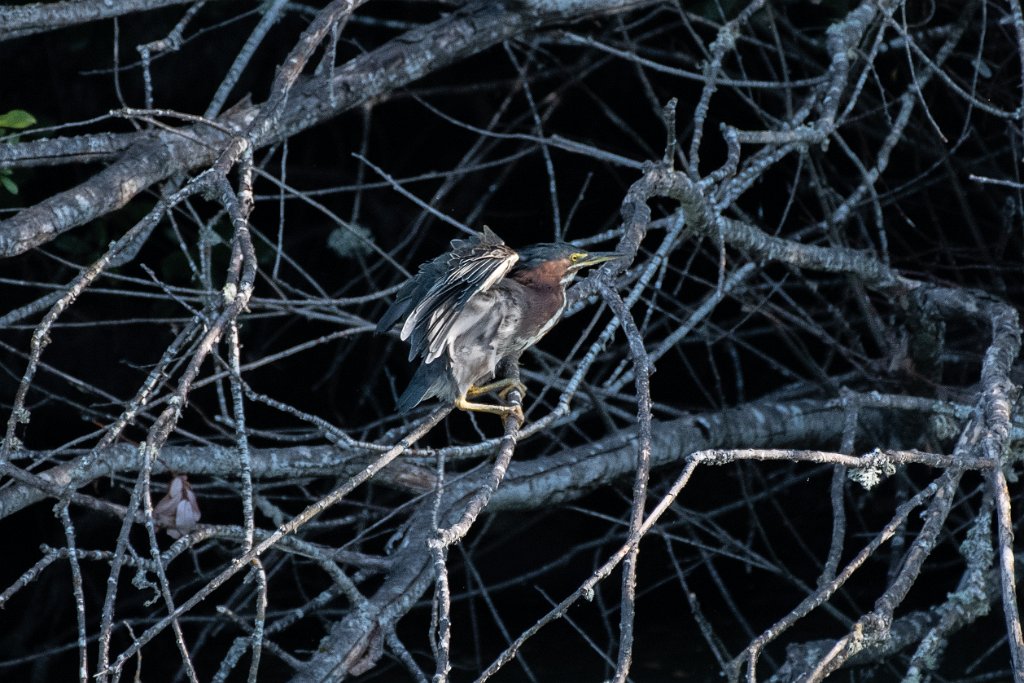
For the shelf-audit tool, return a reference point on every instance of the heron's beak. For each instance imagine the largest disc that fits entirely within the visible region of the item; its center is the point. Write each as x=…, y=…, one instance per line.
x=593, y=259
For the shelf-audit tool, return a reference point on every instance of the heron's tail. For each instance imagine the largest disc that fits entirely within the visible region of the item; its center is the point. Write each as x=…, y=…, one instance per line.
x=430, y=379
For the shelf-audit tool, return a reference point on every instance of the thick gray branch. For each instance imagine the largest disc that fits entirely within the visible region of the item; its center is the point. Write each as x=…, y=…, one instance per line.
x=26, y=20
x=399, y=62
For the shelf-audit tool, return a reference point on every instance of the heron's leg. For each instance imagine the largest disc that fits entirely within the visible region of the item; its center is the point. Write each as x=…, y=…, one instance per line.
x=505, y=385
x=462, y=404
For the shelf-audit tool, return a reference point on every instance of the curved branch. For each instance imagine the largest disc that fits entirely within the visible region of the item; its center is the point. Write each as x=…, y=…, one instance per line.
x=399, y=62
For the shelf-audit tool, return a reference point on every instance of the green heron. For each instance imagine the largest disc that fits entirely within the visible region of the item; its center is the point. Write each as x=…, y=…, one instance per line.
x=478, y=305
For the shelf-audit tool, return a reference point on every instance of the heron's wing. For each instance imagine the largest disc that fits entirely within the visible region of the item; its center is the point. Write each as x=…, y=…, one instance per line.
x=412, y=292
x=418, y=286
x=474, y=265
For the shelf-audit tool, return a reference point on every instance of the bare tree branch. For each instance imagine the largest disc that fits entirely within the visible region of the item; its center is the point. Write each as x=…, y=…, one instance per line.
x=801, y=375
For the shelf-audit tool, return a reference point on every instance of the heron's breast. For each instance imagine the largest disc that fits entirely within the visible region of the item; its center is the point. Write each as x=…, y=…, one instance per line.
x=543, y=306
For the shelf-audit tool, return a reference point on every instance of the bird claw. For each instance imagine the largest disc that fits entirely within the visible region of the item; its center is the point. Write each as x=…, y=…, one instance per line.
x=514, y=385
x=503, y=386
x=516, y=411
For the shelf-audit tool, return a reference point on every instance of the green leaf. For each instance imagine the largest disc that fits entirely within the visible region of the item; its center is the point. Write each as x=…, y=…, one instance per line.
x=17, y=119
x=9, y=184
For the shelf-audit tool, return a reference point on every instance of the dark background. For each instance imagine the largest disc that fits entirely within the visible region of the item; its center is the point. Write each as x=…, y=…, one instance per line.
x=940, y=227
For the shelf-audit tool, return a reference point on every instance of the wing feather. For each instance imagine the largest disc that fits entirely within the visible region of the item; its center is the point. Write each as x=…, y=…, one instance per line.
x=474, y=265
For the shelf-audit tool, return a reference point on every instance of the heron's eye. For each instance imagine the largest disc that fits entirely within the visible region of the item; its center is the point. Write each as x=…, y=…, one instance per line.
x=576, y=257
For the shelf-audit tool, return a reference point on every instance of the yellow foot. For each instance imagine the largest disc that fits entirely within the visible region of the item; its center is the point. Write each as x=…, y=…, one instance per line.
x=504, y=385
x=515, y=385
x=503, y=411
